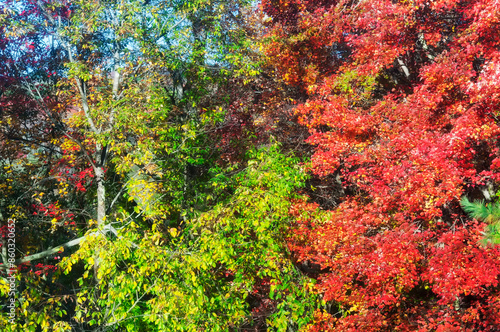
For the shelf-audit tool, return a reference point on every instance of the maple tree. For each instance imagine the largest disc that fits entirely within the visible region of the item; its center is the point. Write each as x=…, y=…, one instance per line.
x=400, y=98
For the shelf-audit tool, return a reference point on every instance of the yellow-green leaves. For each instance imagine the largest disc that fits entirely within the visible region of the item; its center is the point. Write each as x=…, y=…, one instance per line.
x=201, y=273
x=244, y=237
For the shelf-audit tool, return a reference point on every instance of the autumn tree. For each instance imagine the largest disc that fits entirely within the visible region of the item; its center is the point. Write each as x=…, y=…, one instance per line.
x=400, y=99
x=154, y=232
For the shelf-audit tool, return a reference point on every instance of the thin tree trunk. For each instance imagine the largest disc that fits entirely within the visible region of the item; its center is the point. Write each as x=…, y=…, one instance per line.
x=101, y=196
x=101, y=202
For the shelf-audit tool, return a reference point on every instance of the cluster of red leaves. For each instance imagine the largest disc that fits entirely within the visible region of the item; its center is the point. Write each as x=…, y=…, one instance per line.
x=40, y=269
x=72, y=169
x=402, y=101
x=397, y=276
x=54, y=211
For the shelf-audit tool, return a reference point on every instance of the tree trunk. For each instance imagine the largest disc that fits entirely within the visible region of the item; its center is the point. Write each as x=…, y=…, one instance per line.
x=101, y=196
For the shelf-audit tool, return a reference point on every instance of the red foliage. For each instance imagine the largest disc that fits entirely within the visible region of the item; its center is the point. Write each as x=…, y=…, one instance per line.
x=402, y=101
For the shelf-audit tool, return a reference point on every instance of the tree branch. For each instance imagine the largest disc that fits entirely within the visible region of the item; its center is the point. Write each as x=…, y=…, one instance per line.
x=67, y=245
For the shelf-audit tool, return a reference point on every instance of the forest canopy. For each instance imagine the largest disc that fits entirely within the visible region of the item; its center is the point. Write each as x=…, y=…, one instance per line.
x=232, y=165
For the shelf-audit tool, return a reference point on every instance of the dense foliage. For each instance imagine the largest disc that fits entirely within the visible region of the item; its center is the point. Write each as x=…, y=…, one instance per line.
x=198, y=165
x=401, y=102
